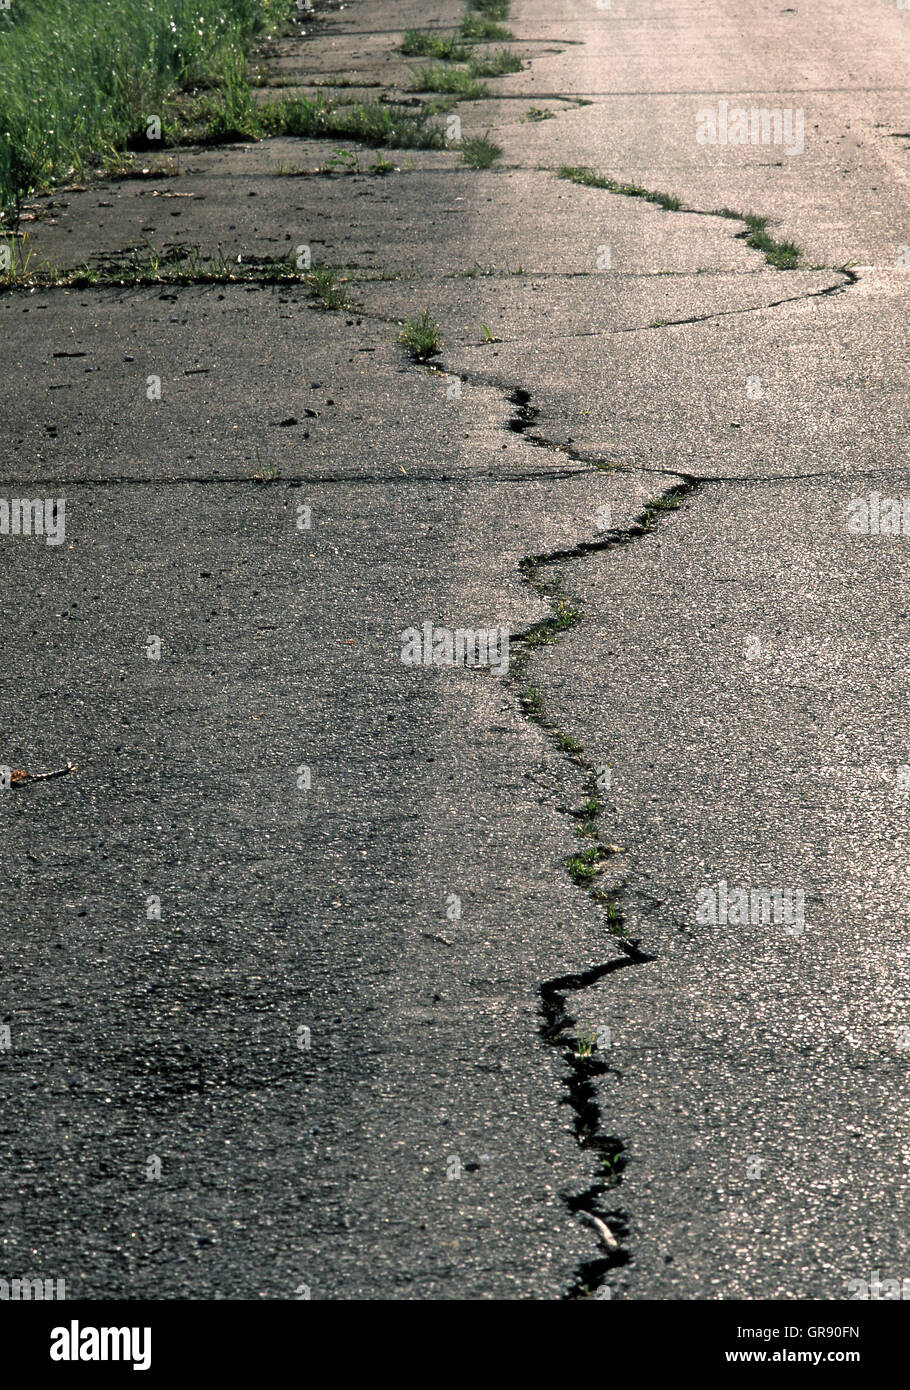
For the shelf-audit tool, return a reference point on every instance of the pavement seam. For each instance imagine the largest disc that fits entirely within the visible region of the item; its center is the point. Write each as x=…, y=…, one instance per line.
x=314, y=479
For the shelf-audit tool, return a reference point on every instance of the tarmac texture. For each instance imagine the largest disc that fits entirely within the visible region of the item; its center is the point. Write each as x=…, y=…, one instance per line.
x=577, y=972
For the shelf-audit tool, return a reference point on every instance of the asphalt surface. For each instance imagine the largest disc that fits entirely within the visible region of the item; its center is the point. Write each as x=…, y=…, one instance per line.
x=375, y=852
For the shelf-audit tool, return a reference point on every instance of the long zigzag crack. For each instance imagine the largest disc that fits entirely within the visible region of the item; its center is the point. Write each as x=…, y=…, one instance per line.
x=556, y=1028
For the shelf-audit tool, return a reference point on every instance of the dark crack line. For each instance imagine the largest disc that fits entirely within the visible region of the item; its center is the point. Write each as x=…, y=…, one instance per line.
x=737, y=313
x=311, y=480
x=579, y=1083
x=599, y=462
x=556, y=1029
x=849, y=280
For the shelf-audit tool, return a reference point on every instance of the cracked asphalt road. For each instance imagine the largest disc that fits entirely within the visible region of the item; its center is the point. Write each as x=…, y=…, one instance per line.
x=334, y=1039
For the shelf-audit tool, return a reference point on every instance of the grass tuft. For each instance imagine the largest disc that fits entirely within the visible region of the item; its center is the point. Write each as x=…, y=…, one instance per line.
x=369, y=123
x=323, y=283
x=456, y=81
x=584, y=866
x=479, y=152
x=445, y=48
x=422, y=337
x=491, y=9
x=496, y=64
x=483, y=29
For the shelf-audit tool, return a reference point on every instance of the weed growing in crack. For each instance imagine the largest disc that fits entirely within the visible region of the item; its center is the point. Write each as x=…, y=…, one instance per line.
x=585, y=866
x=491, y=9
x=472, y=273
x=565, y=615
x=655, y=507
x=496, y=64
x=343, y=162
x=588, y=178
x=323, y=284
x=177, y=265
x=782, y=255
x=483, y=29
x=440, y=106
x=458, y=81
x=615, y=918
x=422, y=337
x=611, y=1164
x=370, y=123
x=445, y=48
x=480, y=152
x=532, y=702
x=587, y=826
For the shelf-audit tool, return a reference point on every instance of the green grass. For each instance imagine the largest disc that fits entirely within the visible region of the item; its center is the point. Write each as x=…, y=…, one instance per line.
x=491, y=9
x=177, y=265
x=483, y=29
x=369, y=123
x=463, y=80
x=479, y=152
x=79, y=81
x=422, y=337
x=266, y=473
x=532, y=702
x=445, y=48
x=589, y=179
x=348, y=162
x=667, y=502
x=585, y=866
x=457, y=81
x=565, y=616
x=587, y=818
x=783, y=255
x=323, y=283
x=496, y=64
